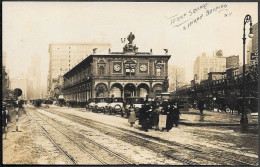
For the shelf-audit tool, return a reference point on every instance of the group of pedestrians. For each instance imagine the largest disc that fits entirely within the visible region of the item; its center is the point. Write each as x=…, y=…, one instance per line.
x=156, y=116
x=5, y=116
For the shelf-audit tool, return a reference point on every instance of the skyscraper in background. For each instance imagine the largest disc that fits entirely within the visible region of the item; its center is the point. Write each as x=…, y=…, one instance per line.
x=205, y=64
x=20, y=82
x=252, y=46
x=34, y=78
x=255, y=38
x=64, y=56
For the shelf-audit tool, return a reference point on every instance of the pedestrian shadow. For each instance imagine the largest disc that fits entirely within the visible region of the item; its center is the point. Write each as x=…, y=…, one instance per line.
x=193, y=113
x=202, y=117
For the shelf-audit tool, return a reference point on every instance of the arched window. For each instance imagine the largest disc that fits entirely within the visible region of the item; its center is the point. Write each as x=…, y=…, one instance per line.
x=159, y=68
x=101, y=67
x=101, y=70
x=158, y=71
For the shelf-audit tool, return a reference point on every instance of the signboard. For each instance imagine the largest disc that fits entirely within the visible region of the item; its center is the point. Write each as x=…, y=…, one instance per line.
x=18, y=92
x=254, y=57
x=162, y=121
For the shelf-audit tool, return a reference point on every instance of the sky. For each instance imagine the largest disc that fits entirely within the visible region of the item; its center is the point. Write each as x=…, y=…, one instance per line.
x=186, y=29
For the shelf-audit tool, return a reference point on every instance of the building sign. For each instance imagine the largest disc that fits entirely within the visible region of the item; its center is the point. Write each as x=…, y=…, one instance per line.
x=162, y=121
x=254, y=58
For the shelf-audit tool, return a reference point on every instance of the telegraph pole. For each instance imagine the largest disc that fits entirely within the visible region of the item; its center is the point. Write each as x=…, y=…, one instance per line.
x=17, y=92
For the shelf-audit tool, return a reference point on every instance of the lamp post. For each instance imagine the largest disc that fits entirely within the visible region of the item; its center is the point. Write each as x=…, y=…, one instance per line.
x=247, y=19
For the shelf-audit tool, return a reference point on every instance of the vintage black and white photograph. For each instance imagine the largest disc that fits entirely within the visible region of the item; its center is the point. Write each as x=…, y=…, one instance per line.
x=129, y=83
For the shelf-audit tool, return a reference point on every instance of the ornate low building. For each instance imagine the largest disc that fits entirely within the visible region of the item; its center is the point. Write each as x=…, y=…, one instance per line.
x=118, y=74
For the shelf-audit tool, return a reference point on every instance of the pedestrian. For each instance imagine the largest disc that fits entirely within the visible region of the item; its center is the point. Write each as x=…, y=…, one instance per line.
x=132, y=116
x=201, y=106
x=122, y=111
x=163, y=116
x=169, y=120
x=155, y=116
x=4, y=116
x=146, y=117
x=141, y=116
x=176, y=115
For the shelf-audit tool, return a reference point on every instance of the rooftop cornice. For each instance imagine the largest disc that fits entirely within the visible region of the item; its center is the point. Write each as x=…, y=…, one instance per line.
x=80, y=43
x=129, y=55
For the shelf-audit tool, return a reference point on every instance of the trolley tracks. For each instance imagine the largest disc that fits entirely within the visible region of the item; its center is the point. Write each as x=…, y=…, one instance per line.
x=186, y=154
x=82, y=150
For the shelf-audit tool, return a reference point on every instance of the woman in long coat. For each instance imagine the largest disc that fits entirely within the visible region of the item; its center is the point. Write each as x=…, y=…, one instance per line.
x=156, y=113
x=132, y=116
x=176, y=116
x=169, y=120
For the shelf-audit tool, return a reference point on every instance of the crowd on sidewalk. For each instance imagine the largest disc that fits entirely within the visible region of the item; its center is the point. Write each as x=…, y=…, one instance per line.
x=157, y=116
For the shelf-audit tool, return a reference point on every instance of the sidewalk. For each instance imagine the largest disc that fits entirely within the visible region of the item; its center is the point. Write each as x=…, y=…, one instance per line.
x=213, y=118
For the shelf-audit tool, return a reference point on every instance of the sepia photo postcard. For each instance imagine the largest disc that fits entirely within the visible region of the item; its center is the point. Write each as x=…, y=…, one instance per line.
x=130, y=83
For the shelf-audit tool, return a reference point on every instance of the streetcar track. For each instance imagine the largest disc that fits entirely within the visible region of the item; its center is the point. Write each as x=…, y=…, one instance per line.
x=172, y=143
x=183, y=160
x=93, y=142
x=53, y=141
x=187, y=146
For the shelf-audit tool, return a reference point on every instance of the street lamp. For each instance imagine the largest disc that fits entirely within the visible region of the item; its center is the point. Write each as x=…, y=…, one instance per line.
x=247, y=19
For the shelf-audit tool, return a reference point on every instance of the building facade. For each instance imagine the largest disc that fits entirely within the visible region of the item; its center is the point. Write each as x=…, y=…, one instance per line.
x=255, y=39
x=249, y=51
x=34, y=78
x=205, y=64
x=64, y=56
x=252, y=47
x=232, y=61
x=20, y=82
x=118, y=74
x=5, y=78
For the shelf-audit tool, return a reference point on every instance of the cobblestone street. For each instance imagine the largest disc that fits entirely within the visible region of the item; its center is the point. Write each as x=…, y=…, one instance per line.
x=216, y=139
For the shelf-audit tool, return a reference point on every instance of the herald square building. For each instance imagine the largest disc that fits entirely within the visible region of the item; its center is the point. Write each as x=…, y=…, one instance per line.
x=117, y=74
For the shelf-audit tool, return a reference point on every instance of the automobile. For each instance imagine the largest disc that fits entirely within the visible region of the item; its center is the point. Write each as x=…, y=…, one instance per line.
x=137, y=104
x=116, y=105
x=101, y=104
x=91, y=103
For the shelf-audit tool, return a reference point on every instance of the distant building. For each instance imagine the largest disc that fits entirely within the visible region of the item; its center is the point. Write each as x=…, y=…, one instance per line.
x=215, y=75
x=205, y=64
x=232, y=61
x=64, y=56
x=249, y=51
x=5, y=77
x=252, y=47
x=20, y=82
x=254, y=55
x=177, y=77
x=255, y=39
x=34, y=78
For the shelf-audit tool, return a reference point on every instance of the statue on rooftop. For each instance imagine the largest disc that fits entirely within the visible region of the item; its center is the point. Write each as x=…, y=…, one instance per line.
x=130, y=38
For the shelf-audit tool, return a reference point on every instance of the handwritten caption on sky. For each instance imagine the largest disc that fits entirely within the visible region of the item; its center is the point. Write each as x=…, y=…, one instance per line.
x=188, y=19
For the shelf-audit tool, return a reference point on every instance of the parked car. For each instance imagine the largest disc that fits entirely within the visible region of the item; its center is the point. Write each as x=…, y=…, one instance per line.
x=116, y=105
x=91, y=103
x=101, y=104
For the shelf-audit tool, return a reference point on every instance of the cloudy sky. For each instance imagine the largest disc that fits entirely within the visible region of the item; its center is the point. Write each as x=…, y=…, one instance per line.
x=186, y=29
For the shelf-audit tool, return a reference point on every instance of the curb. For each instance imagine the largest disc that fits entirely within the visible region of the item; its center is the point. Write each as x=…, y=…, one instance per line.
x=214, y=124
